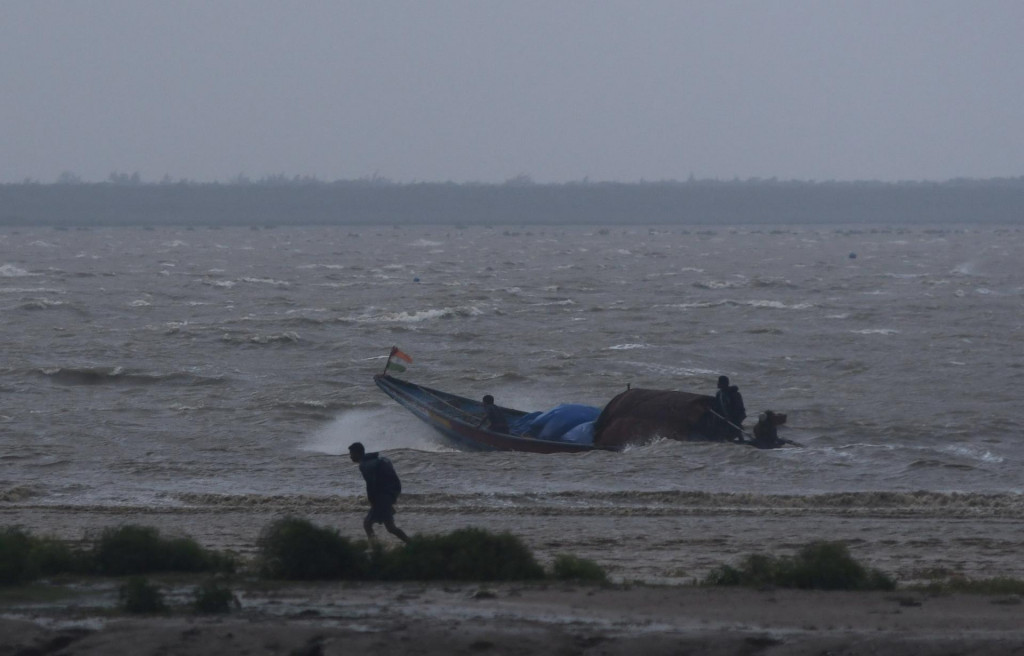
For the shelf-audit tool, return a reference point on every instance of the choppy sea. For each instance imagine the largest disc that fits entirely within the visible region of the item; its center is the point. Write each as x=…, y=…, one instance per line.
x=182, y=368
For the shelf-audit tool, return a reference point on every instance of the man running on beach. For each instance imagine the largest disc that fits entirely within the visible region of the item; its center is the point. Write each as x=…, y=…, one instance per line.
x=382, y=489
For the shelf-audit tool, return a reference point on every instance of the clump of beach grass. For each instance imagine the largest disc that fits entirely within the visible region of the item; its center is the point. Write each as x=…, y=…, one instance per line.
x=820, y=565
x=213, y=598
x=139, y=596
x=295, y=549
x=999, y=585
x=132, y=549
x=468, y=554
x=288, y=549
x=25, y=557
x=573, y=568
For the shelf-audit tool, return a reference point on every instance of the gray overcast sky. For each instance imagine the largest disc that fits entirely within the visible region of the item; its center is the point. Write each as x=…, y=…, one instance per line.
x=483, y=91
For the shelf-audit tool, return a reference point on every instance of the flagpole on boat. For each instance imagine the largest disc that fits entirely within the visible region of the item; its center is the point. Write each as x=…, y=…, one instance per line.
x=388, y=361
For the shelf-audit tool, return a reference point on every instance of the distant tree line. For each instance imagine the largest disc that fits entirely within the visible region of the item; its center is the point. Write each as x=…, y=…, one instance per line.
x=281, y=200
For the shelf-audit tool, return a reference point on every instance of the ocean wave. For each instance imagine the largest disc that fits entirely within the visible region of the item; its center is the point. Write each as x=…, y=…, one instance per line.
x=929, y=463
x=17, y=493
x=975, y=453
x=777, y=305
x=332, y=267
x=41, y=304
x=418, y=316
x=756, y=303
x=876, y=331
x=721, y=284
x=265, y=281
x=288, y=337
x=566, y=301
x=11, y=271
x=304, y=320
x=658, y=503
x=31, y=290
x=120, y=376
x=773, y=283
x=670, y=371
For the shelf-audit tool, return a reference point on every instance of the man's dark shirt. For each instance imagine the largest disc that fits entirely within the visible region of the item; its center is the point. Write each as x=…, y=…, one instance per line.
x=496, y=420
x=382, y=482
x=730, y=403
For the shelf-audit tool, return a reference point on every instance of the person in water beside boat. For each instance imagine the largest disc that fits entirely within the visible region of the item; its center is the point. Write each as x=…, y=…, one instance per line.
x=494, y=419
x=382, y=489
x=729, y=406
x=766, y=435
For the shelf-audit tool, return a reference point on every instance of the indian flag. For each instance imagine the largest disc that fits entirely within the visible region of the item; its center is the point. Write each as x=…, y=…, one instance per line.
x=397, y=366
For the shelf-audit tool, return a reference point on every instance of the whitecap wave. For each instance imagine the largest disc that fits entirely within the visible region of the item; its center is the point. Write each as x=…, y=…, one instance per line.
x=11, y=271
x=778, y=305
x=420, y=315
x=266, y=281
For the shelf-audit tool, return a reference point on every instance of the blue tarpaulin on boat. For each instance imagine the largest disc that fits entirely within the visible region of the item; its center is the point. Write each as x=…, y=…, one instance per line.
x=581, y=434
x=556, y=422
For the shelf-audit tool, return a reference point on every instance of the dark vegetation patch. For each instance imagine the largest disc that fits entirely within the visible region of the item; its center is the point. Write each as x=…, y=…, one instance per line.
x=999, y=585
x=573, y=568
x=819, y=565
x=469, y=554
x=25, y=557
x=213, y=598
x=133, y=549
x=295, y=549
x=139, y=596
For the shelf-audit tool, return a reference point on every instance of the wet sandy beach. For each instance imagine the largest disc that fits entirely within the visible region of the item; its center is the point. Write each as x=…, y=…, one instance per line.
x=393, y=619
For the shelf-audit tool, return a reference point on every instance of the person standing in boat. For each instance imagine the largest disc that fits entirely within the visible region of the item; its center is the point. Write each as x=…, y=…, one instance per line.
x=494, y=419
x=729, y=404
x=382, y=489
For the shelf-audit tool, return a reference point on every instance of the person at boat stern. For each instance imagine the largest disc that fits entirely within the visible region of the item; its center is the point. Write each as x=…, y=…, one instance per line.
x=729, y=403
x=494, y=419
x=382, y=489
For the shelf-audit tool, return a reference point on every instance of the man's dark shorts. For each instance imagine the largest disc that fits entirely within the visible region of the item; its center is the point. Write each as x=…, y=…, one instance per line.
x=381, y=512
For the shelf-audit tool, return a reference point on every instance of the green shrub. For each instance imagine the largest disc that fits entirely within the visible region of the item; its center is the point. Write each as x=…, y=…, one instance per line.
x=468, y=554
x=134, y=549
x=295, y=549
x=213, y=598
x=53, y=556
x=1001, y=585
x=24, y=557
x=825, y=566
x=573, y=568
x=16, y=565
x=139, y=596
x=819, y=566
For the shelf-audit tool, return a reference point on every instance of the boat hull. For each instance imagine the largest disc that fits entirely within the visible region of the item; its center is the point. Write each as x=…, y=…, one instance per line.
x=457, y=418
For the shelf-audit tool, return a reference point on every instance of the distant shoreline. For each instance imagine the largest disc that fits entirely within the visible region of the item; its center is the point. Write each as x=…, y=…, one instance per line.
x=285, y=202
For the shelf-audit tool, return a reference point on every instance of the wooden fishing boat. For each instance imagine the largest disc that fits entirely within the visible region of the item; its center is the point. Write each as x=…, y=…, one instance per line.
x=632, y=417
x=458, y=419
